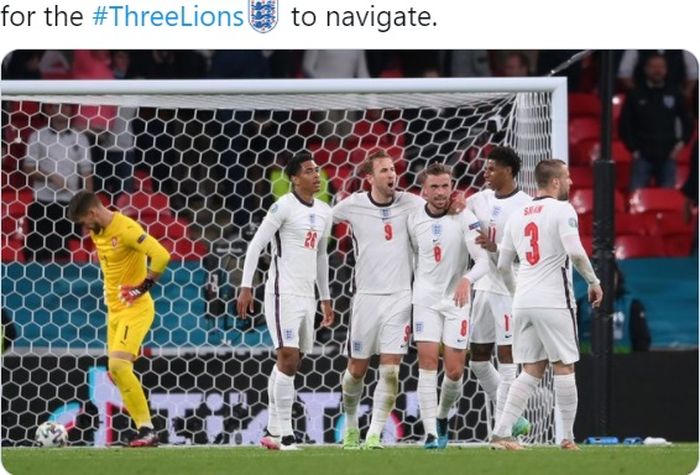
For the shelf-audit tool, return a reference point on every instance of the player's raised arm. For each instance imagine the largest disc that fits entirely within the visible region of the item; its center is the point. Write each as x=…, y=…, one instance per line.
x=322, y=277
x=270, y=225
x=568, y=231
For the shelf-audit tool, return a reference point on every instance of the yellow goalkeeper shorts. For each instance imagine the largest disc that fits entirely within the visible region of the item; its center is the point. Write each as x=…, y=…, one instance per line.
x=127, y=328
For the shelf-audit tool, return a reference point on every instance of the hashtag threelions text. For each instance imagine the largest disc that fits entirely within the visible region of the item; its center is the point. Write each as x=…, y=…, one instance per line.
x=100, y=15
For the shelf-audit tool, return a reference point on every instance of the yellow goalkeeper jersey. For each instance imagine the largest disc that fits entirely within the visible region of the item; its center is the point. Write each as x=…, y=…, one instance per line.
x=123, y=248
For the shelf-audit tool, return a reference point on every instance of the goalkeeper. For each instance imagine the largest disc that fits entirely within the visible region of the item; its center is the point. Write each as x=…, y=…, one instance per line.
x=123, y=247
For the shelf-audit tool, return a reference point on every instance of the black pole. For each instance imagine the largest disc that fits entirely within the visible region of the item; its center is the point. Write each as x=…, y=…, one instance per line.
x=603, y=257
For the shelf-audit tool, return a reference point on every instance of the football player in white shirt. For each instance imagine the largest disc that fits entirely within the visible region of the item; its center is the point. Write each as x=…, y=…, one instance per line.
x=443, y=244
x=544, y=236
x=491, y=320
x=298, y=226
x=381, y=310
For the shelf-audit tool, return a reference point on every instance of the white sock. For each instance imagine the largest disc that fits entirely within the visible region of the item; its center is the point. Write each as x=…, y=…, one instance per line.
x=450, y=392
x=384, y=398
x=520, y=391
x=488, y=377
x=427, y=399
x=567, y=399
x=352, y=393
x=507, y=373
x=273, y=426
x=284, y=398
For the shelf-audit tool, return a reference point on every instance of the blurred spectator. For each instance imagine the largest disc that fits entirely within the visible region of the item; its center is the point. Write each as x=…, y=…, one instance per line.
x=649, y=127
x=335, y=64
x=168, y=64
x=22, y=64
x=469, y=64
x=121, y=65
x=681, y=67
x=57, y=162
x=239, y=64
x=56, y=64
x=421, y=63
x=630, y=327
x=284, y=64
x=516, y=64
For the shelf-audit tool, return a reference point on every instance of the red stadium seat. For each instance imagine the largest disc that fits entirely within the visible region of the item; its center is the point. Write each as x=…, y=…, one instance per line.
x=584, y=152
x=673, y=223
x=144, y=207
x=167, y=226
x=682, y=171
x=635, y=224
x=582, y=201
x=678, y=245
x=585, y=224
x=582, y=177
x=587, y=242
x=629, y=247
x=12, y=249
x=656, y=199
x=582, y=128
x=582, y=104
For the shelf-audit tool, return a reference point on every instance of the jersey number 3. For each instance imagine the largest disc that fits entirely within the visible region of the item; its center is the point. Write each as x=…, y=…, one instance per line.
x=310, y=241
x=533, y=232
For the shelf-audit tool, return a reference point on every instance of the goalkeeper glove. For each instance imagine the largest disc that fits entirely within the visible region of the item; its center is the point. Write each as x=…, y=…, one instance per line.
x=128, y=293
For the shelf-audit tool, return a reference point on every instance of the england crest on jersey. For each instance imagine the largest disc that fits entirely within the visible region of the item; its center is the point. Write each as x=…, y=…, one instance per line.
x=263, y=14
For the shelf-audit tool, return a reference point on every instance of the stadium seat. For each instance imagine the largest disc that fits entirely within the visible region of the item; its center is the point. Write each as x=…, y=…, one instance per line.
x=656, y=199
x=167, y=226
x=678, y=245
x=682, y=170
x=629, y=247
x=686, y=151
x=582, y=104
x=12, y=249
x=587, y=242
x=82, y=251
x=582, y=128
x=144, y=207
x=634, y=224
x=585, y=224
x=584, y=152
x=582, y=201
x=582, y=177
x=673, y=223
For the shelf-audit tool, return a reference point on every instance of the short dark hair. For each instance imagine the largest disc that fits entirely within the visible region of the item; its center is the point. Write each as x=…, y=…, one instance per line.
x=546, y=170
x=367, y=166
x=434, y=169
x=293, y=166
x=506, y=157
x=81, y=203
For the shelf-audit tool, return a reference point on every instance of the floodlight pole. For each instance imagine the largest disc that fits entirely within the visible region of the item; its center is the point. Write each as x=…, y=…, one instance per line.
x=603, y=252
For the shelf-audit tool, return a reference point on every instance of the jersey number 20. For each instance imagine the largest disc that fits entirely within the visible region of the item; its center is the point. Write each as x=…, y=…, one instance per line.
x=310, y=241
x=533, y=232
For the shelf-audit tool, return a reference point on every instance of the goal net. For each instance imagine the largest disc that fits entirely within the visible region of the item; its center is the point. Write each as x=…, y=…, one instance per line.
x=198, y=163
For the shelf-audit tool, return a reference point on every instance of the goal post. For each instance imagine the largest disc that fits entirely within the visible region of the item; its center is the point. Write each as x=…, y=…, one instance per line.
x=197, y=163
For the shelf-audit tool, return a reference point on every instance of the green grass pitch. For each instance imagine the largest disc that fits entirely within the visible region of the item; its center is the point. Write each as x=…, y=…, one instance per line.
x=637, y=460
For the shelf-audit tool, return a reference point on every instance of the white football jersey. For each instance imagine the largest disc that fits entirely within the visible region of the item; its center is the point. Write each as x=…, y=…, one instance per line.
x=383, y=256
x=442, y=256
x=295, y=228
x=535, y=232
x=493, y=212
